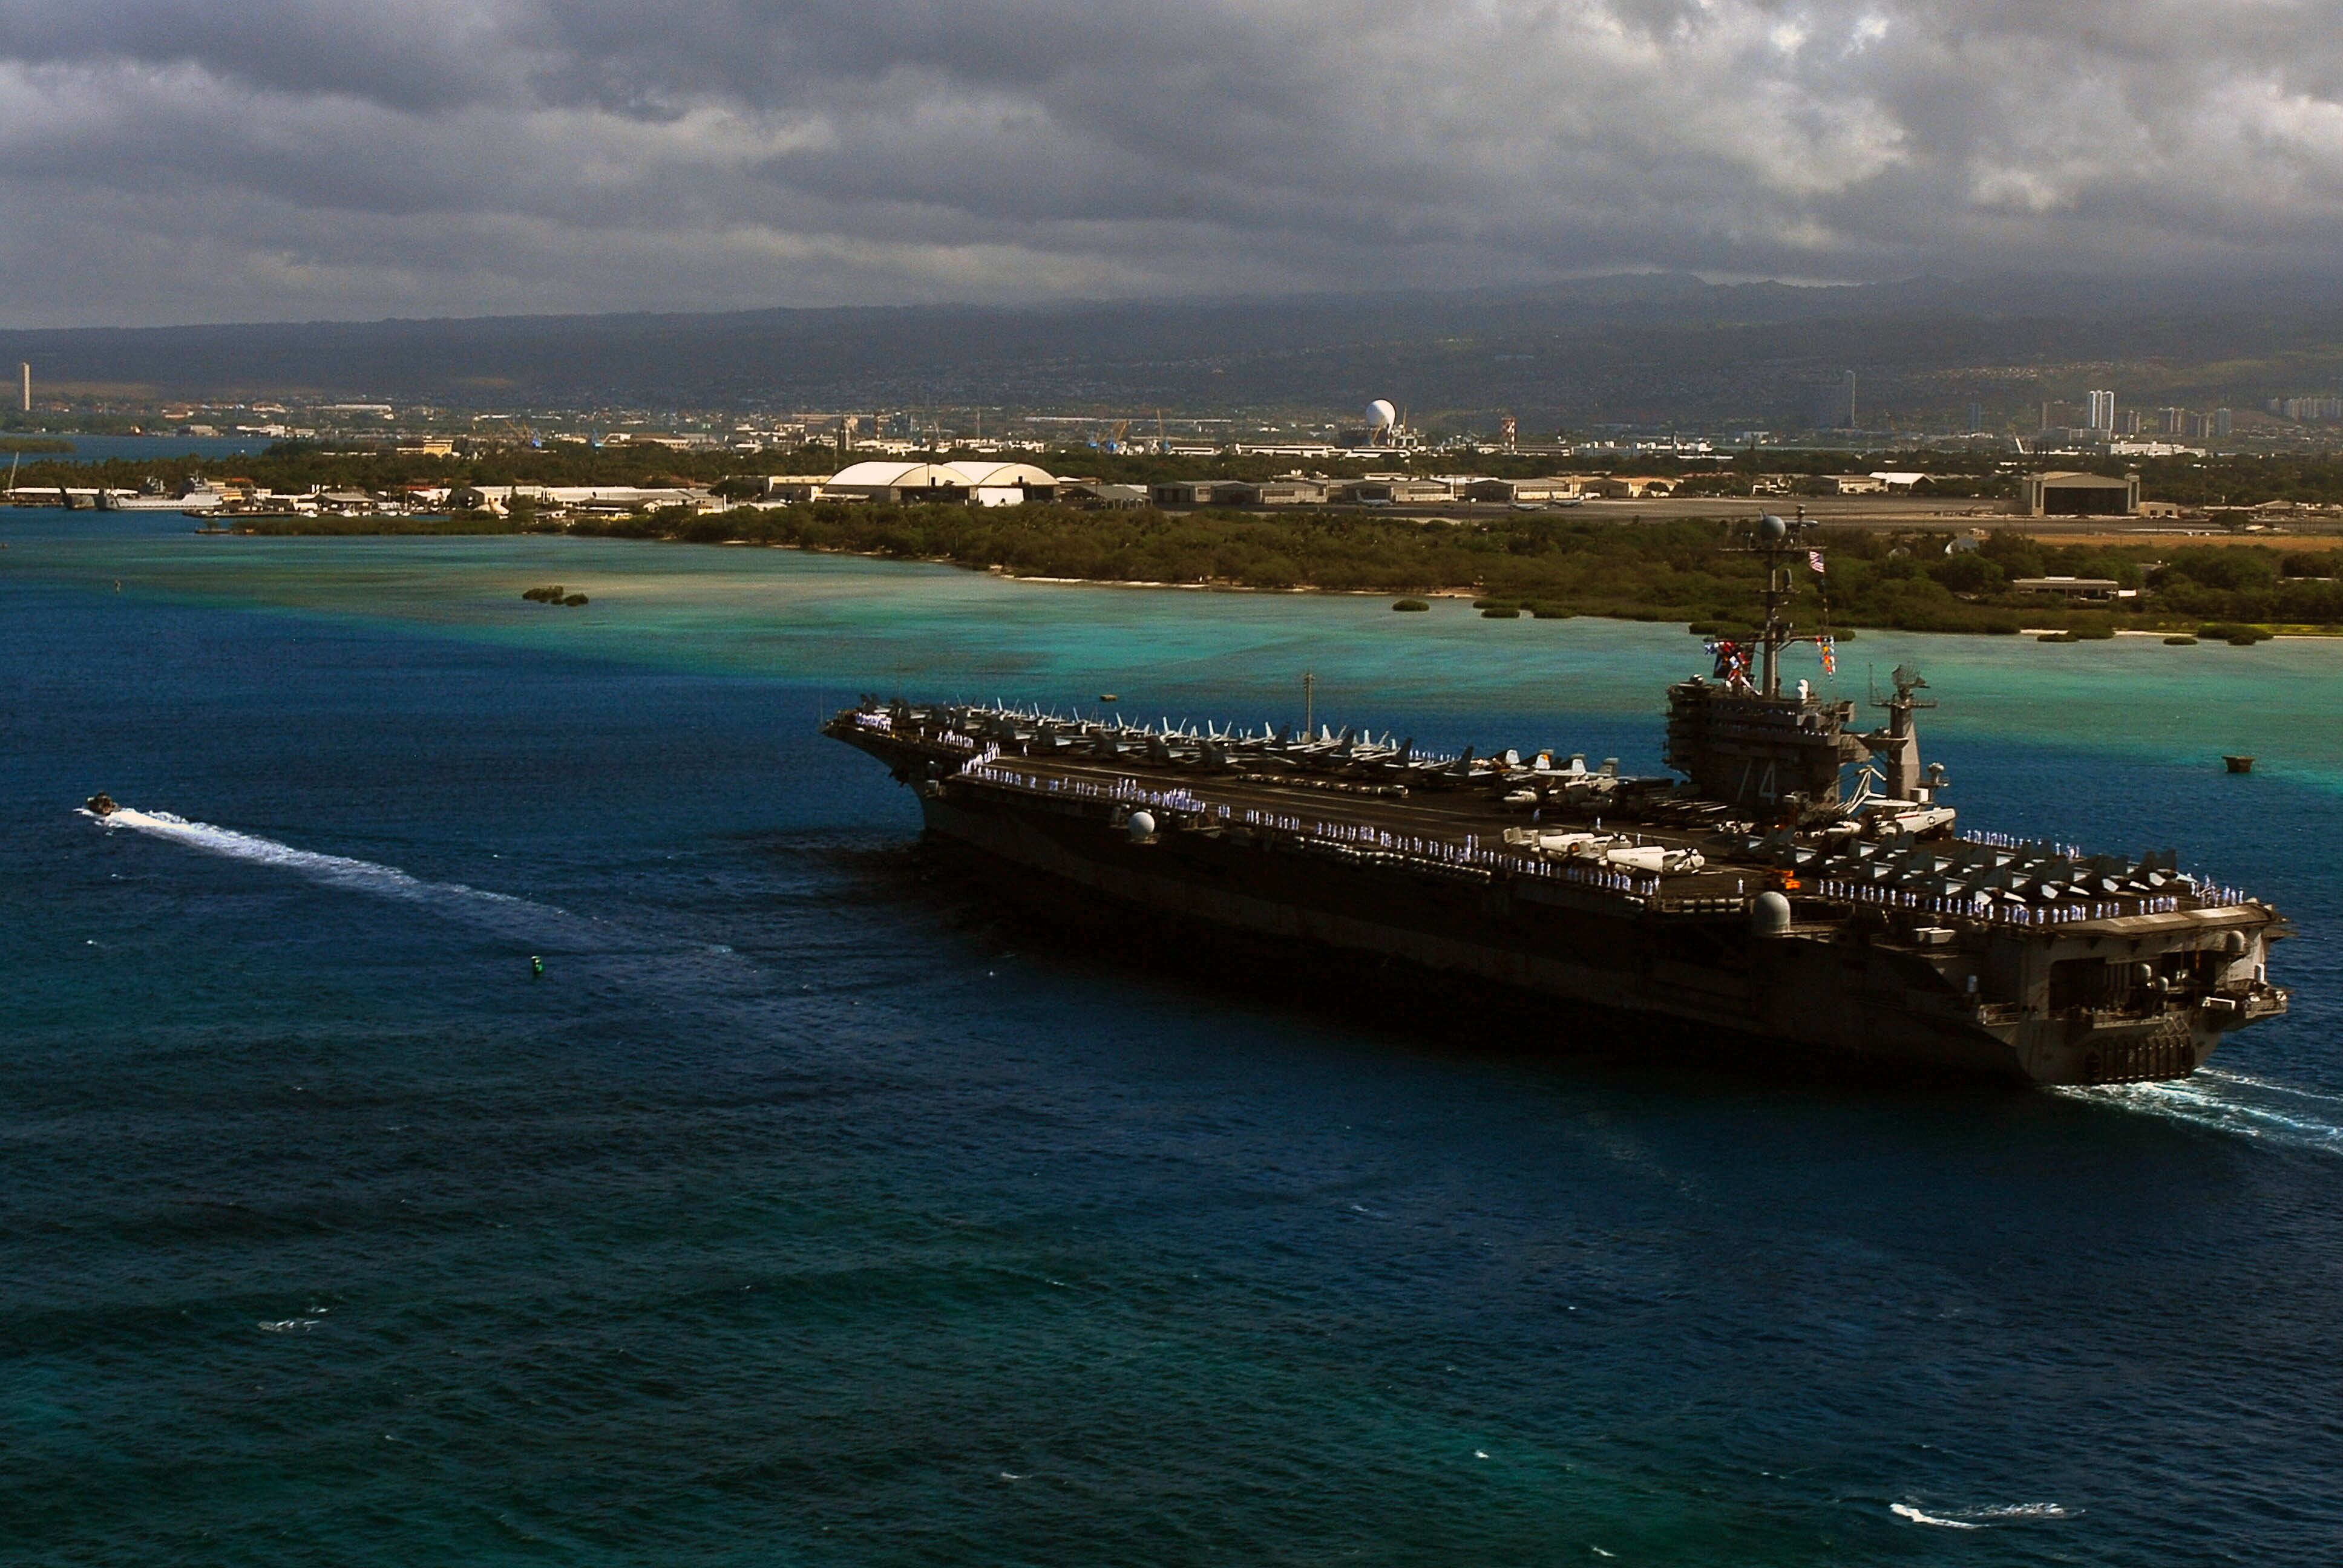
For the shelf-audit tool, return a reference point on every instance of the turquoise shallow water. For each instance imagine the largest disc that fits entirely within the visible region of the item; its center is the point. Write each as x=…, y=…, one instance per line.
x=803, y=1214
x=836, y=622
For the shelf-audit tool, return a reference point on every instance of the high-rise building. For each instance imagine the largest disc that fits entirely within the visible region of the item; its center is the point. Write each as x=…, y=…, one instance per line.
x=2172, y=418
x=1976, y=419
x=2103, y=412
x=2221, y=424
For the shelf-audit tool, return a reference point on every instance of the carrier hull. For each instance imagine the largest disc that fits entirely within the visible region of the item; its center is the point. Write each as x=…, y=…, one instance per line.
x=1320, y=857
x=1842, y=1003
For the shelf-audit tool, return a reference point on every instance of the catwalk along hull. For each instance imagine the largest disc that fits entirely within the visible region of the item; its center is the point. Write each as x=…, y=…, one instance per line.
x=1375, y=879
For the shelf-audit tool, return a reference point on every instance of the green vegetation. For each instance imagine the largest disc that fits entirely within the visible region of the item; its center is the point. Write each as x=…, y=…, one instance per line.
x=30, y=445
x=1676, y=571
x=1547, y=565
x=1410, y=604
x=553, y=594
x=2239, y=481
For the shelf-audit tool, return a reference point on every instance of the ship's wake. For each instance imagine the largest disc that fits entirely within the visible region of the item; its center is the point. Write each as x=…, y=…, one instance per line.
x=336, y=870
x=1982, y=1518
x=620, y=951
x=2235, y=1103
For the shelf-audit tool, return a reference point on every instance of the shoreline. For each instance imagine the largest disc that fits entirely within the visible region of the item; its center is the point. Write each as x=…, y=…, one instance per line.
x=2294, y=633
x=2005, y=621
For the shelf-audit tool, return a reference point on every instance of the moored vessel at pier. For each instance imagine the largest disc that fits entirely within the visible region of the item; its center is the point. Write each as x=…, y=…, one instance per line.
x=195, y=496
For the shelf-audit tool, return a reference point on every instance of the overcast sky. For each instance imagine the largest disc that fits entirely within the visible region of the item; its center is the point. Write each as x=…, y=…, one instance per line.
x=170, y=160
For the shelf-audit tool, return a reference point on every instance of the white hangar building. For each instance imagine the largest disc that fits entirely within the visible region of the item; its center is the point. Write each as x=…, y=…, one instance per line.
x=986, y=484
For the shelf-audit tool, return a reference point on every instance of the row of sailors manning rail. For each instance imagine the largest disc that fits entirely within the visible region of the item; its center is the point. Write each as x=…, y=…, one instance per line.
x=2029, y=886
x=1391, y=766
x=1987, y=877
x=1615, y=862
x=1031, y=732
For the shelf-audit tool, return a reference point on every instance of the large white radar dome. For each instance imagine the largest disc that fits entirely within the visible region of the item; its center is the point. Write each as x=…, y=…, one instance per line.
x=1381, y=415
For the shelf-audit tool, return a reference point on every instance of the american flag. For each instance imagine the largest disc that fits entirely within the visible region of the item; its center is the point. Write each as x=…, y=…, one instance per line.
x=1814, y=560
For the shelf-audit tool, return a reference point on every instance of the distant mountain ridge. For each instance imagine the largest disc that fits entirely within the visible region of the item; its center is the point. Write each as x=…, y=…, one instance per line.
x=1642, y=348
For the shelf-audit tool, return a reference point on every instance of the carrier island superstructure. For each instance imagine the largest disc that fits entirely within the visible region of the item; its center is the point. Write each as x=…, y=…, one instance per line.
x=1802, y=887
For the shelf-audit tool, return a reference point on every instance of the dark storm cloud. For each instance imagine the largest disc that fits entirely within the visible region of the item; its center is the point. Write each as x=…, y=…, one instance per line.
x=280, y=158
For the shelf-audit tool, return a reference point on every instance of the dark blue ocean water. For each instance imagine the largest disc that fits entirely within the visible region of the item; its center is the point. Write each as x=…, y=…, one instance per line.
x=800, y=1213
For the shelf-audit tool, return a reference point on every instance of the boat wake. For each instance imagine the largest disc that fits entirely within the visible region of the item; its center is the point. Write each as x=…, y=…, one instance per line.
x=361, y=876
x=617, y=950
x=2236, y=1103
x=1983, y=1518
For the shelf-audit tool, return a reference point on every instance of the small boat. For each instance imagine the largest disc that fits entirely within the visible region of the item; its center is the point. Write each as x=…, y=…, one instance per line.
x=2240, y=764
x=102, y=804
x=1108, y=697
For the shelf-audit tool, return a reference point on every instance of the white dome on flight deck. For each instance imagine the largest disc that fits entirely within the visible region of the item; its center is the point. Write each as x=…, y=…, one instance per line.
x=1381, y=415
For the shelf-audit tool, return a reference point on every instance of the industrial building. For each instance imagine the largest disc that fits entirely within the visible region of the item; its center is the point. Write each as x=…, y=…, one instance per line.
x=1100, y=493
x=895, y=481
x=1526, y=492
x=1393, y=489
x=986, y=484
x=612, y=499
x=1287, y=492
x=2076, y=587
x=1290, y=491
x=792, y=487
x=992, y=484
x=2067, y=495
x=1625, y=486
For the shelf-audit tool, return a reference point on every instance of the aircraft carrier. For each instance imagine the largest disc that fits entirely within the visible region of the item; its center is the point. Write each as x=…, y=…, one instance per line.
x=1801, y=887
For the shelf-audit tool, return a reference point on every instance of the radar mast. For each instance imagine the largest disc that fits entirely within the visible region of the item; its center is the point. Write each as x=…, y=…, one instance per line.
x=1777, y=540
